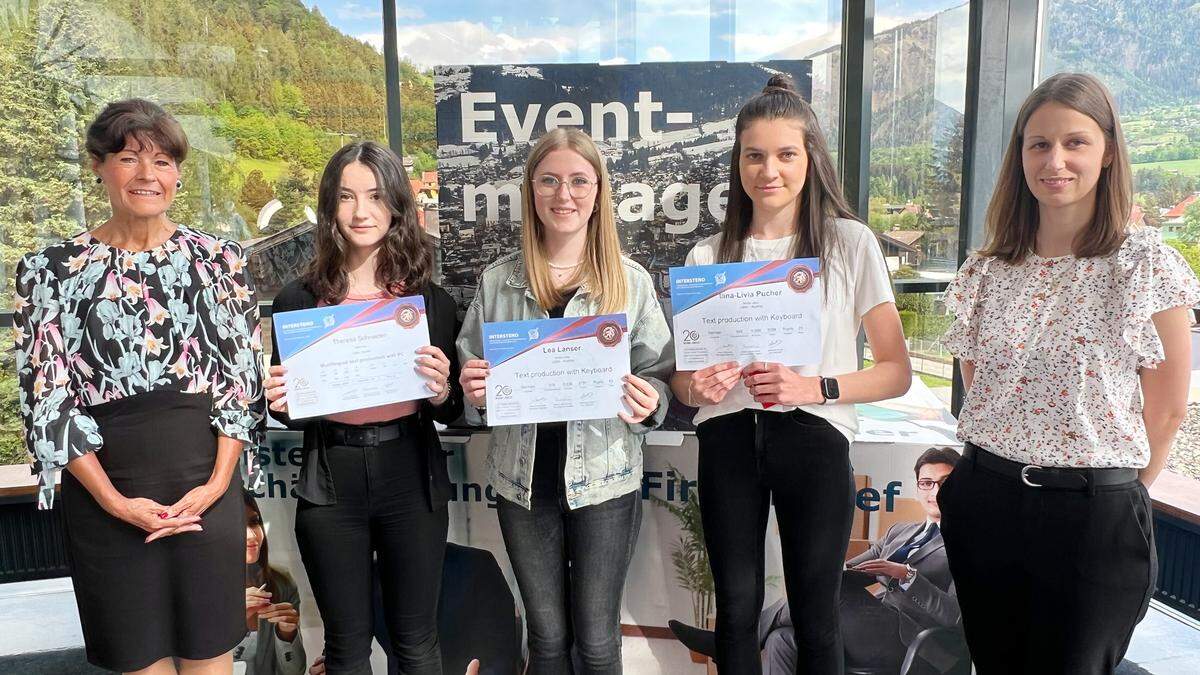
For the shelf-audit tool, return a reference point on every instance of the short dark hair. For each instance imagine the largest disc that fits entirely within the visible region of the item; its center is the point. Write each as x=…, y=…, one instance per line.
x=140, y=119
x=936, y=456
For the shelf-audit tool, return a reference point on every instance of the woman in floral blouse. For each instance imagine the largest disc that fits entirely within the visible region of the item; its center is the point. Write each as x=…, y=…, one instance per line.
x=1072, y=332
x=138, y=354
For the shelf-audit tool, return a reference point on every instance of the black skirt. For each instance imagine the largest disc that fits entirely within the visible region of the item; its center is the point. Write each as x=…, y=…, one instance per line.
x=182, y=595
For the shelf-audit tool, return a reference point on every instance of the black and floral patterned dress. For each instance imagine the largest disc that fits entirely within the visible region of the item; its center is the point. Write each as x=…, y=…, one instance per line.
x=143, y=358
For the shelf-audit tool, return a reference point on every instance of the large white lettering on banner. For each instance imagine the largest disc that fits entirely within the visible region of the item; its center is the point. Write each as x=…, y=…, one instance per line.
x=665, y=140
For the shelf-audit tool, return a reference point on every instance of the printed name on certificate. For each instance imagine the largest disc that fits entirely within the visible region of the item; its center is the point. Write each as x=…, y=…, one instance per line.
x=352, y=356
x=554, y=370
x=748, y=311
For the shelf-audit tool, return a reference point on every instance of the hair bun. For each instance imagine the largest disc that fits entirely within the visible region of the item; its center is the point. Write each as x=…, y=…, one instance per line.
x=779, y=82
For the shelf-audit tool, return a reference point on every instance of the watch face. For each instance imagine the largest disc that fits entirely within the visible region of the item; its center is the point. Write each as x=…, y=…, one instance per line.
x=829, y=387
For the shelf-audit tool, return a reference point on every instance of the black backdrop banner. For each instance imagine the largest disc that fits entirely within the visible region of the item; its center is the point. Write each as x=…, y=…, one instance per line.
x=665, y=130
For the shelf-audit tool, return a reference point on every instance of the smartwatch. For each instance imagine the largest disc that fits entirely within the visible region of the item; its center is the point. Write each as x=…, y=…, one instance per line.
x=829, y=389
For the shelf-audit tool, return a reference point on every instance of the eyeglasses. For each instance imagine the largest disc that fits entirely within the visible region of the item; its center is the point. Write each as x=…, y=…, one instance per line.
x=547, y=186
x=927, y=484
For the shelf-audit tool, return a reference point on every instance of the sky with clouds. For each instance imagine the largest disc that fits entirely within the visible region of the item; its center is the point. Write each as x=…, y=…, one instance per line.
x=439, y=32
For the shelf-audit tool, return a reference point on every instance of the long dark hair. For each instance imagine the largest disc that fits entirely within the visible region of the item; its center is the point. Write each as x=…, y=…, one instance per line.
x=261, y=572
x=1012, y=215
x=406, y=258
x=821, y=200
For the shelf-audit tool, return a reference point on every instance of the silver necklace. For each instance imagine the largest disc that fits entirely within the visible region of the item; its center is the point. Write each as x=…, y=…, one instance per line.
x=774, y=247
x=563, y=267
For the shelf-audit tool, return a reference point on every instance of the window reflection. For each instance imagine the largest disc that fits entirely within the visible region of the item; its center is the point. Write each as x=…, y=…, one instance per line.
x=917, y=105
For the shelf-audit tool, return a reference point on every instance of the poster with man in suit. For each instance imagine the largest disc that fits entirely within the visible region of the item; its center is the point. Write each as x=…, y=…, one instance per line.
x=892, y=591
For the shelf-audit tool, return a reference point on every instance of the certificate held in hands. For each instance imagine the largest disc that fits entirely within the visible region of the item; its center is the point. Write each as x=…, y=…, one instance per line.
x=352, y=356
x=749, y=311
x=554, y=370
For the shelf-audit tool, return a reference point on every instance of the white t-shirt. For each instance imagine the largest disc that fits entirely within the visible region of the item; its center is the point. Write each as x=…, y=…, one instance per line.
x=857, y=280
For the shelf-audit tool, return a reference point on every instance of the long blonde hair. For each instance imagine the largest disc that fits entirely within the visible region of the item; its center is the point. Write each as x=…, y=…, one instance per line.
x=1012, y=215
x=602, y=271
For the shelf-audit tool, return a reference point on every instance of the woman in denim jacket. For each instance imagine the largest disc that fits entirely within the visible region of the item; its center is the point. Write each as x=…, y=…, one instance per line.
x=569, y=502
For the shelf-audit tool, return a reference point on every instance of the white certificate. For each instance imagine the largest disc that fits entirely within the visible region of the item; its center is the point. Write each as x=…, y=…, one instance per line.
x=749, y=311
x=553, y=370
x=352, y=356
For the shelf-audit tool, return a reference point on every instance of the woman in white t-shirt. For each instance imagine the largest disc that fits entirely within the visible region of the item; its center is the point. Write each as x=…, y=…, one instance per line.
x=1072, y=332
x=769, y=433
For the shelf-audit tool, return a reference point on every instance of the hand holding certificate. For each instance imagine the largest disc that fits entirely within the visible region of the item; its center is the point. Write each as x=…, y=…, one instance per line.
x=553, y=370
x=352, y=356
x=750, y=311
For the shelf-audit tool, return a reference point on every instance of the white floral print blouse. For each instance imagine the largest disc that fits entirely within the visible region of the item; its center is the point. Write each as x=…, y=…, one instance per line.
x=95, y=323
x=1057, y=344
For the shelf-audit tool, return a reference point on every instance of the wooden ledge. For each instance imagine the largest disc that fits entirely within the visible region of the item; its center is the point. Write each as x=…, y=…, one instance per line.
x=16, y=481
x=1178, y=496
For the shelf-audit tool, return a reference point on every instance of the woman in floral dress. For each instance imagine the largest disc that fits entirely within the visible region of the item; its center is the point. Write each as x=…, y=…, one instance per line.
x=1072, y=333
x=138, y=354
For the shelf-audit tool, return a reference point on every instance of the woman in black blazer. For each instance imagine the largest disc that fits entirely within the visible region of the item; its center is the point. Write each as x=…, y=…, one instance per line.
x=374, y=481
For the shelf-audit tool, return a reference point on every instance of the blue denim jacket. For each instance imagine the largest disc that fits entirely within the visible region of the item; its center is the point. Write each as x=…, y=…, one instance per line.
x=604, y=457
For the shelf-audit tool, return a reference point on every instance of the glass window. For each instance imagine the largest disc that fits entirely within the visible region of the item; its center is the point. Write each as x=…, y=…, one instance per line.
x=626, y=31
x=1145, y=53
x=917, y=102
x=265, y=91
x=924, y=319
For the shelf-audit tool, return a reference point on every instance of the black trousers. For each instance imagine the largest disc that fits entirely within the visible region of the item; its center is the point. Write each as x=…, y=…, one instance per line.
x=1049, y=581
x=381, y=512
x=799, y=461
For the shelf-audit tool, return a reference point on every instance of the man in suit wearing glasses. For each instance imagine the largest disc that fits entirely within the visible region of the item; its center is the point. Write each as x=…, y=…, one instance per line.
x=898, y=587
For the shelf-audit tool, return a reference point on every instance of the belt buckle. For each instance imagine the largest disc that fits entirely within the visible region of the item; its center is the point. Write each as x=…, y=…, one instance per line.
x=366, y=437
x=1025, y=475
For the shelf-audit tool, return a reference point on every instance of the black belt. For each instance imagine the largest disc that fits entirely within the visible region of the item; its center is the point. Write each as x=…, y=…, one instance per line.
x=1053, y=477
x=368, y=435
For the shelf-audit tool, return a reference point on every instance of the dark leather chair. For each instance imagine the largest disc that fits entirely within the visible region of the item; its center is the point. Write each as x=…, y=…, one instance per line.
x=477, y=616
x=949, y=639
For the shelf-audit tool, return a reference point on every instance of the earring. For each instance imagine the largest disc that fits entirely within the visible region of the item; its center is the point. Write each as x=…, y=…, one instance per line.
x=178, y=185
x=99, y=180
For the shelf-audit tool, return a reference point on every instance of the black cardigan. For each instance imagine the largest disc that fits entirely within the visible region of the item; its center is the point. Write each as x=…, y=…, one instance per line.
x=316, y=481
